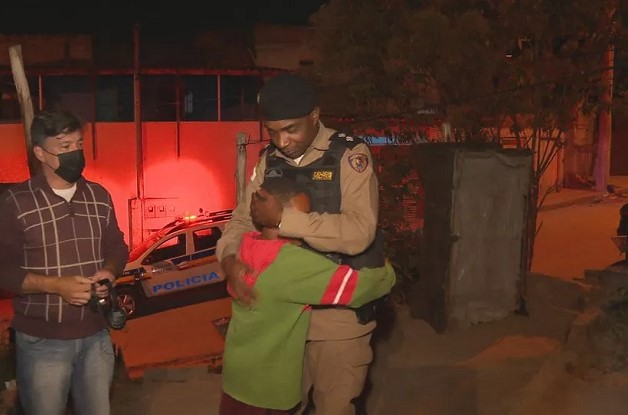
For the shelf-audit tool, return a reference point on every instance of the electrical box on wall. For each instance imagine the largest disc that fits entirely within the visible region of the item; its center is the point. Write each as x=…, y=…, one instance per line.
x=159, y=212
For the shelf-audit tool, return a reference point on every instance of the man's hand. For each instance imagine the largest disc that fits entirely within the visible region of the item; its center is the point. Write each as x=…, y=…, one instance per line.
x=235, y=270
x=74, y=290
x=103, y=274
x=266, y=209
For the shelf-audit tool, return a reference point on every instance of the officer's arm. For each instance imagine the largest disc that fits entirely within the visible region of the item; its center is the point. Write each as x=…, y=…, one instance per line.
x=240, y=223
x=353, y=230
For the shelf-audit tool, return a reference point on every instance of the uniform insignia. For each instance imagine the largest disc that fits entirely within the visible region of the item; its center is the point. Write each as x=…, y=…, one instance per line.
x=323, y=175
x=346, y=140
x=274, y=172
x=359, y=162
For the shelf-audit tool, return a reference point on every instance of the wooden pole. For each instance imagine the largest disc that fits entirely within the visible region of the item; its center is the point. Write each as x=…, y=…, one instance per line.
x=26, y=103
x=136, y=206
x=139, y=143
x=242, y=139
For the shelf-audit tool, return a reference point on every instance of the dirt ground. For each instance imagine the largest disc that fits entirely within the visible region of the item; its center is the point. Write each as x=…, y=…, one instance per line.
x=594, y=375
x=575, y=238
x=593, y=378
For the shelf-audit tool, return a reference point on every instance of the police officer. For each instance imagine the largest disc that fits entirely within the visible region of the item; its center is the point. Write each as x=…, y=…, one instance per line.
x=338, y=171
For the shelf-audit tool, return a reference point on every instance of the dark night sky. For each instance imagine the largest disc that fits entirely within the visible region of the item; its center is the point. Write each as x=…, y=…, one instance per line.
x=81, y=16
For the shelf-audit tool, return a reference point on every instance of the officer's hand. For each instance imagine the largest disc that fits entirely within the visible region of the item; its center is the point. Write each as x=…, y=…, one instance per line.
x=235, y=271
x=74, y=290
x=266, y=209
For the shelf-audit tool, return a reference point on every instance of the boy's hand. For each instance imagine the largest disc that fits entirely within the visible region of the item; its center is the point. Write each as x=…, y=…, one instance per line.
x=235, y=270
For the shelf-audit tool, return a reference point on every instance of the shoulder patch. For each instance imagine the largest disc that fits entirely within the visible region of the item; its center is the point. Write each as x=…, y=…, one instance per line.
x=358, y=162
x=347, y=140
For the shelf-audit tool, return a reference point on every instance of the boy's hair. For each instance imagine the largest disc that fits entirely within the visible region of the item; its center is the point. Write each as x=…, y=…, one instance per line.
x=284, y=189
x=52, y=123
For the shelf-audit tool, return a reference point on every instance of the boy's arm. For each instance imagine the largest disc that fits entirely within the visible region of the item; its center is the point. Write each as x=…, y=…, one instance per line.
x=310, y=278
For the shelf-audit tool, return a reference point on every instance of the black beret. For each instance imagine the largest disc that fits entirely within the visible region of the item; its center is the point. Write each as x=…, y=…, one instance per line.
x=286, y=97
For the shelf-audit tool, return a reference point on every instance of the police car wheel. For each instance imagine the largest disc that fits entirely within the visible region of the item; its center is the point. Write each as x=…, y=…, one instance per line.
x=128, y=300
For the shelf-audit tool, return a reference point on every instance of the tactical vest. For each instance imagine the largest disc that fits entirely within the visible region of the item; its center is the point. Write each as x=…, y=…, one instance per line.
x=322, y=179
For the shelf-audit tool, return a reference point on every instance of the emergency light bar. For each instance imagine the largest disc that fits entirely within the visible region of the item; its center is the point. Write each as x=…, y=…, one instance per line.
x=214, y=216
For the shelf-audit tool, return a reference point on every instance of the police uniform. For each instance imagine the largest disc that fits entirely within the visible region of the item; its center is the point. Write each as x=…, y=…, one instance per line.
x=338, y=350
x=338, y=170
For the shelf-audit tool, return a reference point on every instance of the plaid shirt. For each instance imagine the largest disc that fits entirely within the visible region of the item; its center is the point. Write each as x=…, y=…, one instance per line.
x=44, y=234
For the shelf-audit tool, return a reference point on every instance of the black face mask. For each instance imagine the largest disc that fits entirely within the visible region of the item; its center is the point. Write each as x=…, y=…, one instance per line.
x=71, y=165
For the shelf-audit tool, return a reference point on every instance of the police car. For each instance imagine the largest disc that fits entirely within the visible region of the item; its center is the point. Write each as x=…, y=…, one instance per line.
x=175, y=266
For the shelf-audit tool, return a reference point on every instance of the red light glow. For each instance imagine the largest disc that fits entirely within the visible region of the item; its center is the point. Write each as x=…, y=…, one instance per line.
x=191, y=184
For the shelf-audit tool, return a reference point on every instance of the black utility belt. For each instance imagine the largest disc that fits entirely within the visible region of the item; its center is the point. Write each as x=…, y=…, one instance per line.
x=365, y=313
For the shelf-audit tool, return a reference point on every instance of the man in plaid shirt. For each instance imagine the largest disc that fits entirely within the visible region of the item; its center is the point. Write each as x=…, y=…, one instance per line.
x=59, y=237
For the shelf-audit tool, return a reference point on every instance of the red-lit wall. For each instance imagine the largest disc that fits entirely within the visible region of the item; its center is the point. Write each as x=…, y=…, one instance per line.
x=201, y=174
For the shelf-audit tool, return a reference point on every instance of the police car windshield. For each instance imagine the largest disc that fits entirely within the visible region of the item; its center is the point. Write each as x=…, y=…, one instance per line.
x=147, y=243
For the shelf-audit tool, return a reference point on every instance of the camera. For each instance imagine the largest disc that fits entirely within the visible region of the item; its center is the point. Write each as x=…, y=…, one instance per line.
x=116, y=317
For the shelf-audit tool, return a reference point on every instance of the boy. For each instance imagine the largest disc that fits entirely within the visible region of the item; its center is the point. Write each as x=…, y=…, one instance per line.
x=263, y=359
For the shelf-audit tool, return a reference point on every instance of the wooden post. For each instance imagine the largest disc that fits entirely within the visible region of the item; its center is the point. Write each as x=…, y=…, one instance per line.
x=136, y=208
x=26, y=103
x=139, y=143
x=242, y=139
